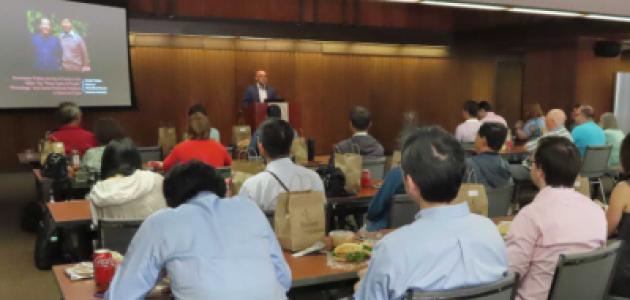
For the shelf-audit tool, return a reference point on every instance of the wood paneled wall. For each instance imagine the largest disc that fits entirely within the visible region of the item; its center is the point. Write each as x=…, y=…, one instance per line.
x=549, y=78
x=595, y=80
x=341, y=12
x=562, y=77
x=167, y=81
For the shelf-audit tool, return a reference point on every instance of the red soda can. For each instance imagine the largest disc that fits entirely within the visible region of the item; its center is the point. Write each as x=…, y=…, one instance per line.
x=366, y=181
x=103, y=269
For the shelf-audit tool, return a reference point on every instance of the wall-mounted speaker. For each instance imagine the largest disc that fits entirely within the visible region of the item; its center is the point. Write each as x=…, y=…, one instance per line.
x=607, y=48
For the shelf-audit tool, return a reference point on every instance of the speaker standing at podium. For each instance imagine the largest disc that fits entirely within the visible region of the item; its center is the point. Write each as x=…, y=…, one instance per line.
x=259, y=91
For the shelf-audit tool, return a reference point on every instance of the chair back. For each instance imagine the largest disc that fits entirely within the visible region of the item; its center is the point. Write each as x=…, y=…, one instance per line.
x=117, y=234
x=224, y=172
x=469, y=148
x=503, y=289
x=376, y=165
x=584, y=276
x=402, y=211
x=153, y=153
x=595, y=161
x=269, y=214
x=499, y=200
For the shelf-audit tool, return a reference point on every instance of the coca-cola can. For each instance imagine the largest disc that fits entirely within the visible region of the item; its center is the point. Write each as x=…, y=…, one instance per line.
x=366, y=178
x=104, y=269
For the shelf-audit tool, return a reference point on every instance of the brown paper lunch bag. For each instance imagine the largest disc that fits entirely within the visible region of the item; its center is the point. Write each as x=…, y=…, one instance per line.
x=475, y=195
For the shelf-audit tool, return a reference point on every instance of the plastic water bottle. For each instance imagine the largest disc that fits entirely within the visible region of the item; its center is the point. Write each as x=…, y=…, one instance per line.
x=76, y=159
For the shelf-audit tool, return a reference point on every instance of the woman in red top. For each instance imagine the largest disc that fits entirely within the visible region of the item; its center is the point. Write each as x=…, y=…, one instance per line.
x=198, y=147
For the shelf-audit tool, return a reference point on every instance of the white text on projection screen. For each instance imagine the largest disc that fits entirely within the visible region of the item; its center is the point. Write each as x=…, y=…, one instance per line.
x=56, y=51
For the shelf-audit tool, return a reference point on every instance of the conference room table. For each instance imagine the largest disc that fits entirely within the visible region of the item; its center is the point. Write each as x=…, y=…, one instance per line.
x=29, y=157
x=70, y=213
x=307, y=271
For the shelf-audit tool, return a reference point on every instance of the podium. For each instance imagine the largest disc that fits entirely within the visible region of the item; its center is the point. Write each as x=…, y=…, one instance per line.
x=256, y=113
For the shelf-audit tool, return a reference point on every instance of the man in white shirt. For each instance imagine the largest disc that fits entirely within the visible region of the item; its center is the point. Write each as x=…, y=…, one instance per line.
x=467, y=131
x=259, y=92
x=275, y=145
x=487, y=115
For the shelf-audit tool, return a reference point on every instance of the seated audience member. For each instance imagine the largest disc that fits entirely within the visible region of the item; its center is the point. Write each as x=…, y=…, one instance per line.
x=446, y=246
x=486, y=114
x=554, y=122
x=587, y=133
x=198, y=146
x=574, y=113
x=618, y=216
x=359, y=124
x=559, y=220
x=614, y=136
x=378, y=209
x=210, y=247
x=534, y=127
x=467, y=131
x=198, y=108
x=105, y=131
x=126, y=191
x=273, y=112
x=488, y=167
x=70, y=133
x=275, y=141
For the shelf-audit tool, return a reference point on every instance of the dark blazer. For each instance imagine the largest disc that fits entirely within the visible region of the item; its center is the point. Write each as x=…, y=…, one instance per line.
x=251, y=95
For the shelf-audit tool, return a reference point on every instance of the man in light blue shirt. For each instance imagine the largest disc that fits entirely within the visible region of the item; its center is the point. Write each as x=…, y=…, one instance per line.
x=446, y=246
x=587, y=133
x=203, y=244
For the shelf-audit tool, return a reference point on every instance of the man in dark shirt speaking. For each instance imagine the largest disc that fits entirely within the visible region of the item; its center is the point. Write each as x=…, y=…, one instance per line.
x=259, y=92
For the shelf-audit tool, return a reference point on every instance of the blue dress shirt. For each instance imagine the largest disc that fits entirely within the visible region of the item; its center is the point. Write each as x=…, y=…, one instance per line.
x=588, y=134
x=47, y=53
x=444, y=248
x=378, y=210
x=211, y=248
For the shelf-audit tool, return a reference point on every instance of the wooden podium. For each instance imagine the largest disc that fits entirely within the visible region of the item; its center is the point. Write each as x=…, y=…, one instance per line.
x=256, y=113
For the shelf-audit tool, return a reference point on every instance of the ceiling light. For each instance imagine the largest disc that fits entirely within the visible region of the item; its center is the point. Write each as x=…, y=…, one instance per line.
x=546, y=12
x=464, y=5
x=403, y=1
x=607, y=18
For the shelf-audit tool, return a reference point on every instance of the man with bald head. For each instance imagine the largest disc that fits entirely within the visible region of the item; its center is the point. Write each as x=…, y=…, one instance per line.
x=259, y=92
x=554, y=122
x=587, y=132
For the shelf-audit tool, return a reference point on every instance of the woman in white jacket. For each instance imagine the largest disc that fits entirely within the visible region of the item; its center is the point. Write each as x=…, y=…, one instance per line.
x=126, y=192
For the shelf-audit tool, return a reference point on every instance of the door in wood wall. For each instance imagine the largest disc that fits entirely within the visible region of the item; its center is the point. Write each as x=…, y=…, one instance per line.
x=509, y=90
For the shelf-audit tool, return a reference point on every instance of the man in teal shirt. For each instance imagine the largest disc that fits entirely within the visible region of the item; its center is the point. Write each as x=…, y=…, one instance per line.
x=587, y=133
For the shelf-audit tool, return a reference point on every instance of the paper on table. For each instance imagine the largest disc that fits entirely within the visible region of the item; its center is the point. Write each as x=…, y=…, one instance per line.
x=80, y=271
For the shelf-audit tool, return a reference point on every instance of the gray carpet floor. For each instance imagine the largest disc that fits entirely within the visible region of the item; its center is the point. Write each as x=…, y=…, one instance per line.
x=19, y=279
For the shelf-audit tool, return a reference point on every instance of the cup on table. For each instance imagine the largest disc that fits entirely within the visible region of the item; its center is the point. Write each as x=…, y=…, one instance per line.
x=366, y=178
x=341, y=236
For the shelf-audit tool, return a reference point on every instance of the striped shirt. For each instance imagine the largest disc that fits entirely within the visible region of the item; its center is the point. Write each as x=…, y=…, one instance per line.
x=533, y=144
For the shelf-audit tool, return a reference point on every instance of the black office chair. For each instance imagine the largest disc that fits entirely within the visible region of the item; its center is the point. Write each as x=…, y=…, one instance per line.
x=585, y=276
x=117, y=234
x=595, y=166
x=152, y=153
x=503, y=289
x=402, y=211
